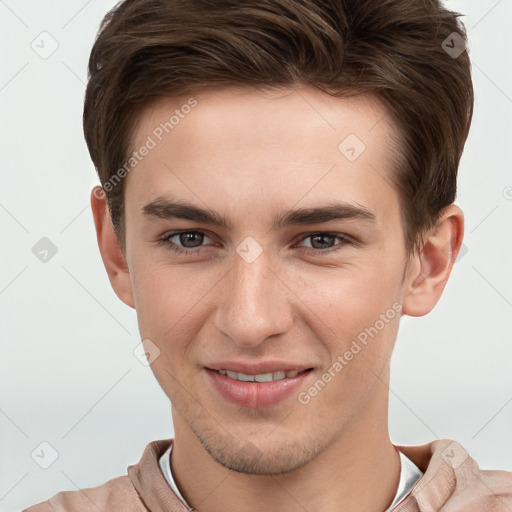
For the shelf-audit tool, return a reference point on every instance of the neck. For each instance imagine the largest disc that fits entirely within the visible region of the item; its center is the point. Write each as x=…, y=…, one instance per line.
x=338, y=479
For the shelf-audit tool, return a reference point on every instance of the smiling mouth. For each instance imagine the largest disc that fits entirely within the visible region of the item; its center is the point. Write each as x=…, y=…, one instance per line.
x=261, y=377
x=257, y=390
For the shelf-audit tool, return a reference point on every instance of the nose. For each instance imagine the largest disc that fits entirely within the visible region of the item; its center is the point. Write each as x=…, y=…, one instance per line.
x=253, y=302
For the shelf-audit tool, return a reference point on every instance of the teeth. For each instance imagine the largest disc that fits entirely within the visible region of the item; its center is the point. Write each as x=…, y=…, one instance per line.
x=260, y=377
x=246, y=378
x=263, y=377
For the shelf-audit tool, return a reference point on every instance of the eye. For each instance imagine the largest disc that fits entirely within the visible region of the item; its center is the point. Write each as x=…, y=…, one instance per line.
x=322, y=243
x=191, y=241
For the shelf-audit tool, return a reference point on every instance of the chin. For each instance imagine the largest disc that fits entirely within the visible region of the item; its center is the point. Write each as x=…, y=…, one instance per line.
x=263, y=457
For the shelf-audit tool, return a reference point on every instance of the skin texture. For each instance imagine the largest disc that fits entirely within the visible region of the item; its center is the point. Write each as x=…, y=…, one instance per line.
x=250, y=156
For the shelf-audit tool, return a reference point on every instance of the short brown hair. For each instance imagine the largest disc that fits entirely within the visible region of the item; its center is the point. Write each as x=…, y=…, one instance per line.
x=397, y=49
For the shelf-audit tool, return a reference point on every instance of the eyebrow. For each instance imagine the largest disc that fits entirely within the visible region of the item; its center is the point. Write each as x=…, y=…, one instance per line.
x=163, y=208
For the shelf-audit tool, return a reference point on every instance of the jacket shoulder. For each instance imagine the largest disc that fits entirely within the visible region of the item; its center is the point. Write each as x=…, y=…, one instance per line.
x=115, y=495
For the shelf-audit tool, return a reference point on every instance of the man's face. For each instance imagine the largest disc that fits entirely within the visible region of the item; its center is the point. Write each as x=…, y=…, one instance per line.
x=257, y=296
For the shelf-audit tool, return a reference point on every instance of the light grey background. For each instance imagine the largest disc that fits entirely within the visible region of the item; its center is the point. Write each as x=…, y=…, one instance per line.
x=67, y=372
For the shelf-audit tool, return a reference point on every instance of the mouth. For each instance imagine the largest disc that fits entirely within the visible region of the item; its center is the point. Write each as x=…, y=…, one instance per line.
x=260, y=377
x=256, y=390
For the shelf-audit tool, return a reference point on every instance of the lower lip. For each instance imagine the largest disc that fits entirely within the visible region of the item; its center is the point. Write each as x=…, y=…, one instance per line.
x=255, y=394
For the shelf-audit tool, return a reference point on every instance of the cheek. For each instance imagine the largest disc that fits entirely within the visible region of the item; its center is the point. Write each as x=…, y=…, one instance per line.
x=172, y=307
x=358, y=356
x=166, y=298
x=361, y=306
x=165, y=315
x=353, y=299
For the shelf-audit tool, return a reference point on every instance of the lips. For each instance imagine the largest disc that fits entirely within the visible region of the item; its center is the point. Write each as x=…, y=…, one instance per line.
x=258, y=385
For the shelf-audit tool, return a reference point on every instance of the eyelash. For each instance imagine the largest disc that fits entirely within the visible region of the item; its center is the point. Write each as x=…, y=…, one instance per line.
x=165, y=240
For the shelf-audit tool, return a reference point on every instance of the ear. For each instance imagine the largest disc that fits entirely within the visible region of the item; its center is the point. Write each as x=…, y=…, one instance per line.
x=430, y=268
x=111, y=253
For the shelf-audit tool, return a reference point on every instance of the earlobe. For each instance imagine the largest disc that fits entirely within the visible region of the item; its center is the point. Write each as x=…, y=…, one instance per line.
x=111, y=253
x=431, y=266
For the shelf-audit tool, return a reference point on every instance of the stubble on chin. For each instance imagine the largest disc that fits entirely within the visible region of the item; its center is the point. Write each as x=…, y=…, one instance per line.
x=274, y=456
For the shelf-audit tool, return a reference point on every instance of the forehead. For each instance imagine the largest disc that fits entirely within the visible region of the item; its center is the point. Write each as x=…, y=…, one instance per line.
x=275, y=147
x=236, y=112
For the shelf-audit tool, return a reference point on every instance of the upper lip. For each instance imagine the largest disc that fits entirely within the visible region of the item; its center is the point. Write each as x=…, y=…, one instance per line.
x=258, y=368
